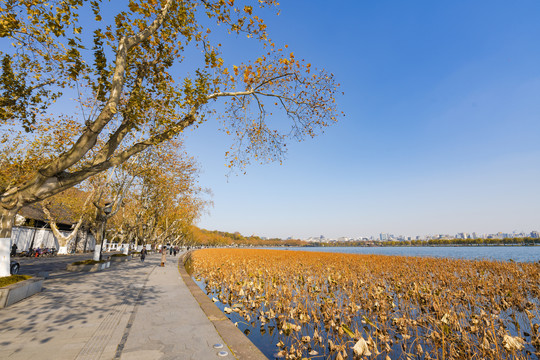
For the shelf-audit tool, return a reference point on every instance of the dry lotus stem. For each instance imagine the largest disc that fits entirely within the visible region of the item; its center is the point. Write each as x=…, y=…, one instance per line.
x=333, y=306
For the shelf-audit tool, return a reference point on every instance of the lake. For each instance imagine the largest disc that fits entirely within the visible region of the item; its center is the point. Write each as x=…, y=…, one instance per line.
x=406, y=300
x=501, y=253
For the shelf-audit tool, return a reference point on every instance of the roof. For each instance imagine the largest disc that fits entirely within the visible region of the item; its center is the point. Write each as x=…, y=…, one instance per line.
x=61, y=213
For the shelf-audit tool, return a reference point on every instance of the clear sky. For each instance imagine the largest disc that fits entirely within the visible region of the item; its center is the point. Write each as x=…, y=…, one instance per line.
x=440, y=134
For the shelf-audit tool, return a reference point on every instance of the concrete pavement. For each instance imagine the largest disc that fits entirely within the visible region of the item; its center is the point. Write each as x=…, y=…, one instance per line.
x=132, y=310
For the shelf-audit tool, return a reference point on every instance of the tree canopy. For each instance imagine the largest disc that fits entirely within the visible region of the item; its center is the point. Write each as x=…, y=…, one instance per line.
x=124, y=65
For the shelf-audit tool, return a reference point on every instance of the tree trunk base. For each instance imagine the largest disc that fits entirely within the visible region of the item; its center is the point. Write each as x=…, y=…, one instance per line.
x=97, y=252
x=5, y=245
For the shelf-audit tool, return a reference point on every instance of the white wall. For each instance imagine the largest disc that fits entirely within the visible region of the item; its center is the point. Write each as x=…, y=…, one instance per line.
x=44, y=238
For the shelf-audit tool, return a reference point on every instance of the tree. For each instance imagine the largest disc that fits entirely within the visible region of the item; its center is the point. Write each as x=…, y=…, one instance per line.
x=167, y=179
x=72, y=199
x=135, y=91
x=163, y=198
x=109, y=201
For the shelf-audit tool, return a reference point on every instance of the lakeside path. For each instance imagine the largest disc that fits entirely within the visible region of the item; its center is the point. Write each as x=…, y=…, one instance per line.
x=132, y=310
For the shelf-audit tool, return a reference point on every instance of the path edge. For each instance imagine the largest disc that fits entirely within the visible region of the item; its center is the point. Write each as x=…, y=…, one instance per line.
x=240, y=346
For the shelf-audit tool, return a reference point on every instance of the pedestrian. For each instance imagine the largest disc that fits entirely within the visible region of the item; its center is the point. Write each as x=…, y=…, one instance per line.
x=163, y=256
x=13, y=250
x=175, y=250
x=143, y=254
x=170, y=250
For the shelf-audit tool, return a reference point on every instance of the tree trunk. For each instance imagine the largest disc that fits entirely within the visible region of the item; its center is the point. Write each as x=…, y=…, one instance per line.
x=7, y=218
x=76, y=243
x=85, y=237
x=136, y=243
x=99, y=241
x=63, y=241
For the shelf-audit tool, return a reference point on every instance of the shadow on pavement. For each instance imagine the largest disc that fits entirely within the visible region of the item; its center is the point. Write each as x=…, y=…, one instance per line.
x=72, y=306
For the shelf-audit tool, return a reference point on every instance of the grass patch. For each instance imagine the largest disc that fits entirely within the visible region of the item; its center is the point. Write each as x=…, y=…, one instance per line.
x=88, y=262
x=8, y=280
x=118, y=255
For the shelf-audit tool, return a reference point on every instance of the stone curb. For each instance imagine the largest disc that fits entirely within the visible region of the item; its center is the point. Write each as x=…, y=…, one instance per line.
x=88, y=268
x=21, y=290
x=240, y=346
x=120, y=258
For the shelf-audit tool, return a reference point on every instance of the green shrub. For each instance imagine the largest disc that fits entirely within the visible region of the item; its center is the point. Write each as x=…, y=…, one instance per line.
x=118, y=255
x=8, y=280
x=88, y=262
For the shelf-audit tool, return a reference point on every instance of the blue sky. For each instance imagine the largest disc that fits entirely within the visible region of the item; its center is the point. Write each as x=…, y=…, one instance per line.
x=440, y=134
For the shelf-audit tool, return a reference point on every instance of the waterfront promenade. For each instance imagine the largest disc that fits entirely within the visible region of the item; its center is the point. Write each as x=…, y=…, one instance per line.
x=132, y=310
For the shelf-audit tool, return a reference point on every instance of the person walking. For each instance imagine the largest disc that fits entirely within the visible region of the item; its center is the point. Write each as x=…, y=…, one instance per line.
x=13, y=250
x=143, y=254
x=163, y=256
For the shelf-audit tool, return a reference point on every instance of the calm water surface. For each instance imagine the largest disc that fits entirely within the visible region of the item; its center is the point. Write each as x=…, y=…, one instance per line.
x=504, y=253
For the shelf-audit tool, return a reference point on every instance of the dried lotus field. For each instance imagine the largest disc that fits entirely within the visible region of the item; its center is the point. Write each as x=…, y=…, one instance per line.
x=297, y=305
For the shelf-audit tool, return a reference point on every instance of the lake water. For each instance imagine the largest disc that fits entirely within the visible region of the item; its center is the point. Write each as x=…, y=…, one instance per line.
x=265, y=337
x=502, y=253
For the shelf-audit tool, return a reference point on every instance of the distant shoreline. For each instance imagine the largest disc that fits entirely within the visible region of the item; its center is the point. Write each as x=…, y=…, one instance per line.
x=412, y=246
x=433, y=243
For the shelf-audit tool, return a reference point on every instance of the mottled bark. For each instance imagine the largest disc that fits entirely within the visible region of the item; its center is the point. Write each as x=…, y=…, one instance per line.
x=7, y=218
x=62, y=240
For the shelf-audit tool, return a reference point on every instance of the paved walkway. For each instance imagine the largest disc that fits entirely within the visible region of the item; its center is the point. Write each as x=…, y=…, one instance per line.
x=132, y=310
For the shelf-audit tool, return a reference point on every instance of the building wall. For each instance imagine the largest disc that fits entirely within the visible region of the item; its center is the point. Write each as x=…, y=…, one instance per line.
x=44, y=238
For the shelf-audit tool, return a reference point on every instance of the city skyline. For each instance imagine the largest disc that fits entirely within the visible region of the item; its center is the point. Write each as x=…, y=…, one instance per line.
x=462, y=235
x=440, y=133
x=389, y=236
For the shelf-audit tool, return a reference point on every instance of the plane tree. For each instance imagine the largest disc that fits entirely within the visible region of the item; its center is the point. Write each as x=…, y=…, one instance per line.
x=165, y=197
x=140, y=73
x=77, y=202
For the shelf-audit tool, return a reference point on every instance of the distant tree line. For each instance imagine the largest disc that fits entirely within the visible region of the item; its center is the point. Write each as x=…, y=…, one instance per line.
x=524, y=241
x=222, y=238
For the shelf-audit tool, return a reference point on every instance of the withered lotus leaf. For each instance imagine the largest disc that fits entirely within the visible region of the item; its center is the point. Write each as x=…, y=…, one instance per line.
x=361, y=348
x=513, y=343
x=390, y=307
